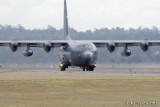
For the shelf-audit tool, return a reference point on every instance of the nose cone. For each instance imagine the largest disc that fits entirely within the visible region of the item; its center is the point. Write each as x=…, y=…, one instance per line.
x=87, y=57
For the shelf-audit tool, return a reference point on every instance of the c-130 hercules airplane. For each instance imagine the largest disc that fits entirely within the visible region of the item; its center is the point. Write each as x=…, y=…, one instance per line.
x=78, y=53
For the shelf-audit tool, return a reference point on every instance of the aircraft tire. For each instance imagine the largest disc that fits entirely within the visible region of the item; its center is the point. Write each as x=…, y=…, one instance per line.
x=63, y=69
x=84, y=68
x=91, y=68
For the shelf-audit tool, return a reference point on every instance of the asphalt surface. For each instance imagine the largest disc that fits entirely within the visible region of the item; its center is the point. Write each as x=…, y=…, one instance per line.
x=76, y=70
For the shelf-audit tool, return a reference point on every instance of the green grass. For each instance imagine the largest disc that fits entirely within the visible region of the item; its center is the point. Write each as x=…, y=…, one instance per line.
x=47, y=89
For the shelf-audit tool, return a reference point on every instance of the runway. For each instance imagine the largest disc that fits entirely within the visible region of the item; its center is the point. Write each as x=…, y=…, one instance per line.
x=155, y=71
x=119, y=72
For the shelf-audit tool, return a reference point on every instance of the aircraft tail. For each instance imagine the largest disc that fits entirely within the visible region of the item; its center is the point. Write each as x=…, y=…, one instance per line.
x=65, y=26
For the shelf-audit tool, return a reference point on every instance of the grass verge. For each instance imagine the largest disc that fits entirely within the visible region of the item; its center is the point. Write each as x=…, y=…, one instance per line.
x=42, y=89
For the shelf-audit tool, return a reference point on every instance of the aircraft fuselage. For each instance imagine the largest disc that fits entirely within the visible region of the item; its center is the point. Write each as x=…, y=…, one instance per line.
x=79, y=54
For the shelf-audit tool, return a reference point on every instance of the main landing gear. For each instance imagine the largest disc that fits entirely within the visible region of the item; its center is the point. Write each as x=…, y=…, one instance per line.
x=89, y=68
x=62, y=67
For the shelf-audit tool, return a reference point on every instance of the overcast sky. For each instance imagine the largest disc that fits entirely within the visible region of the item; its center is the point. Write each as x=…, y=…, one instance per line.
x=83, y=14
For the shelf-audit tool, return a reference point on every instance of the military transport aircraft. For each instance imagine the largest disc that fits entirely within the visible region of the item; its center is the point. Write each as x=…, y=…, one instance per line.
x=79, y=53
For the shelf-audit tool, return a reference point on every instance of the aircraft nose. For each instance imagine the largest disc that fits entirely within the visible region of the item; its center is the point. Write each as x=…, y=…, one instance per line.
x=87, y=56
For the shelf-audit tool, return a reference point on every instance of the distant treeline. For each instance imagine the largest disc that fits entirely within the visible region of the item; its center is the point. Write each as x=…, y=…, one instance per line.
x=9, y=32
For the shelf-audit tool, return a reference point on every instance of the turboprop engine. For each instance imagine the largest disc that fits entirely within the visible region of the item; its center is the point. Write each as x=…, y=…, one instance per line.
x=13, y=46
x=126, y=53
x=47, y=47
x=145, y=46
x=111, y=47
x=27, y=52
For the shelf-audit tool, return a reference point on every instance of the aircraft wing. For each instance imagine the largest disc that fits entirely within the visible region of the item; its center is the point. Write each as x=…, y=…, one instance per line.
x=123, y=43
x=98, y=43
x=56, y=43
x=111, y=45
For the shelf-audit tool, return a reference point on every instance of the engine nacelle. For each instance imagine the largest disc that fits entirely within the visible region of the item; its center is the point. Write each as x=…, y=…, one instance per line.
x=28, y=53
x=145, y=46
x=13, y=46
x=111, y=47
x=126, y=53
x=47, y=47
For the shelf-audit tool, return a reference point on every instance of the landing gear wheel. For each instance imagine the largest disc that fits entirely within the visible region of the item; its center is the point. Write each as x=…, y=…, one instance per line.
x=62, y=69
x=87, y=68
x=84, y=68
x=90, y=68
x=62, y=66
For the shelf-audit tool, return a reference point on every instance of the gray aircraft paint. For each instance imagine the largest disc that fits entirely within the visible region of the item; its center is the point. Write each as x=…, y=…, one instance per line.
x=65, y=26
x=78, y=54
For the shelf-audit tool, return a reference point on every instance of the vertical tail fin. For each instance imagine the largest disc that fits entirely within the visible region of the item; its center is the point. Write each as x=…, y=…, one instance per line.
x=65, y=26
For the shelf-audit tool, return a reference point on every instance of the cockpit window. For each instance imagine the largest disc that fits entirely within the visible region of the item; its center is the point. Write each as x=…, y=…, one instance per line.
x=85, y=46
